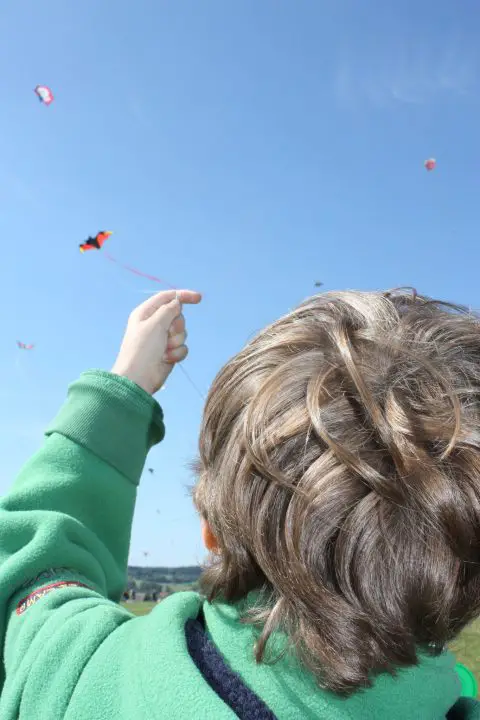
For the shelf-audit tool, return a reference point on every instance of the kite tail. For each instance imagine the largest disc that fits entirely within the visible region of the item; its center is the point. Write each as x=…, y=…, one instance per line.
x=133, y=270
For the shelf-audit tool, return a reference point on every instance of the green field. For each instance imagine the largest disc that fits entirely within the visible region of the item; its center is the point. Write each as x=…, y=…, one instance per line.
x=139, y=608
x=466, y=647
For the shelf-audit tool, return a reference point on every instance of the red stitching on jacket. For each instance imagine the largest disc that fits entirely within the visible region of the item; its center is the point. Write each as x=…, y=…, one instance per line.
x=39, y=593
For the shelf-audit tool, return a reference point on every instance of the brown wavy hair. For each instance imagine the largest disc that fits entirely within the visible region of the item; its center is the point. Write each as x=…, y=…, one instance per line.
x=340, y=473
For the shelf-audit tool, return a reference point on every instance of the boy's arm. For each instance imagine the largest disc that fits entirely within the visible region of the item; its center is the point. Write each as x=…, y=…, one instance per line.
x=69, y=514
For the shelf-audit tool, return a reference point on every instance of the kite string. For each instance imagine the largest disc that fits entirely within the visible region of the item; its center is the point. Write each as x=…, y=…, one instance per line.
x=192, y=383
x=133, y=270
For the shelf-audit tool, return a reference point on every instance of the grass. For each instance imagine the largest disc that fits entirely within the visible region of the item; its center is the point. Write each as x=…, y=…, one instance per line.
x=139, y=608
x=466, y=648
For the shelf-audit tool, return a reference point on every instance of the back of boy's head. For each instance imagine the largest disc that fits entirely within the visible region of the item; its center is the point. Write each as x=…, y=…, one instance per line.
x=340, y=474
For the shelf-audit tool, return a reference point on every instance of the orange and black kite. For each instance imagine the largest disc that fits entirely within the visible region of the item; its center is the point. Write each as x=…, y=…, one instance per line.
x=95, y=243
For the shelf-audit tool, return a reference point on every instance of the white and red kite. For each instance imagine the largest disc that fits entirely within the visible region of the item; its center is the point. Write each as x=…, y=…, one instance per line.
x=44, y=94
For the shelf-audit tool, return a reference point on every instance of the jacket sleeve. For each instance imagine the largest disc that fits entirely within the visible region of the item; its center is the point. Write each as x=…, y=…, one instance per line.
x=65, y=529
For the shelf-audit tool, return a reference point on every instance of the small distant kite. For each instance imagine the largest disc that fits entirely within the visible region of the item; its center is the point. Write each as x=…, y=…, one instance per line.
x=44, y=94
x=97, y=242
x=318, y=284
x=430, y=164
x=24, y=346
x=146, y=553
x=151, y=471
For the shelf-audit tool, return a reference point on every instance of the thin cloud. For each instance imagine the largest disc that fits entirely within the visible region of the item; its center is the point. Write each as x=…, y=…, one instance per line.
x=405, y=75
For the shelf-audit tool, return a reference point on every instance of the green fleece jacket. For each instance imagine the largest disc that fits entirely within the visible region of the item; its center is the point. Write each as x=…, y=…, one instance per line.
x=70, y=651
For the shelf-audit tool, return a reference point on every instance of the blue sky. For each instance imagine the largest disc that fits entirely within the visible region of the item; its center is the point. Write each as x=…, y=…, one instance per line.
x=245, y=148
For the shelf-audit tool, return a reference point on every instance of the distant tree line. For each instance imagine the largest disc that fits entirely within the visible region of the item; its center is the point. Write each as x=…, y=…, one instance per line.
x=174, y=576
x=151, y=584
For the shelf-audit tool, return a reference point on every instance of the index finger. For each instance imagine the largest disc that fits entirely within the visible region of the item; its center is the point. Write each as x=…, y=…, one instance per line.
x=150, y=306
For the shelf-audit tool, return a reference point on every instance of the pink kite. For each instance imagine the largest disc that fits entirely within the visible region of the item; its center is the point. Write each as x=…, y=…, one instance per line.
x=23, y=346
x=430, y=164
x=44, y=94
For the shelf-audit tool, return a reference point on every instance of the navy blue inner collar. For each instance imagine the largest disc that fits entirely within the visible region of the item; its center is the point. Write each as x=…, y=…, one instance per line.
x=227, y=684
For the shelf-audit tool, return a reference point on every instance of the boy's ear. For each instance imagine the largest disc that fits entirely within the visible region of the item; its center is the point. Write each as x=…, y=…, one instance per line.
x=209, y=539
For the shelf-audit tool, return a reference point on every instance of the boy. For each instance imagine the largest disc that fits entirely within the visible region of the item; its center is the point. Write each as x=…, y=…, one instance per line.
x=339, y=493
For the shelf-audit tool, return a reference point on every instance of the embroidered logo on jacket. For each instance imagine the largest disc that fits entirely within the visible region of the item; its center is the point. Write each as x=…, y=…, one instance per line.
x=31, y=599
